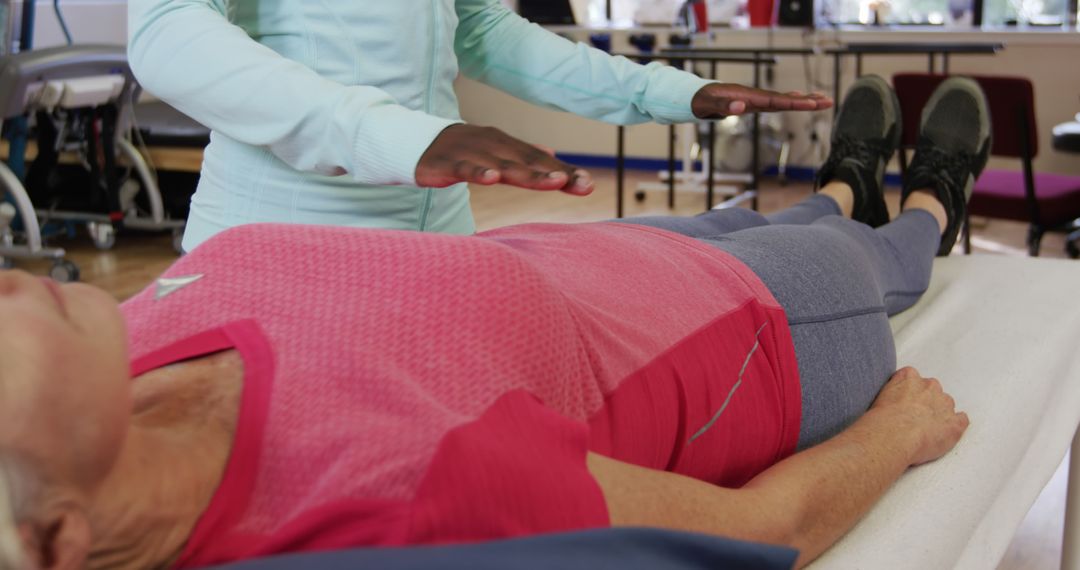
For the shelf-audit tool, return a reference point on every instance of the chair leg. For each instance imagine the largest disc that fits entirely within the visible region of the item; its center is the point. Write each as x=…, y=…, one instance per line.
x=967, y=235
x=1072, y=244
x=1034, y=240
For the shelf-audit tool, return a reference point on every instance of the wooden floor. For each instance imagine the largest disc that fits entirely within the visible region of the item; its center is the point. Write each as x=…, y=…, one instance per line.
x=137, y=259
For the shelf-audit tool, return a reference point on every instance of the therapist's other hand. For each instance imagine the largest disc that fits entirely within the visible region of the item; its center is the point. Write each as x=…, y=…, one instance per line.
x=718, y=100
x=485, y=155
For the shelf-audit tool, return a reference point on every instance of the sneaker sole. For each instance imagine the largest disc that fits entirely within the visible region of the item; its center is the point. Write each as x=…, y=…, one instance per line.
x=971, y=87
x=892, y=113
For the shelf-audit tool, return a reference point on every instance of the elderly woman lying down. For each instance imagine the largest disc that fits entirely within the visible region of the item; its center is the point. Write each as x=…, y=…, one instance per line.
x=287, y=389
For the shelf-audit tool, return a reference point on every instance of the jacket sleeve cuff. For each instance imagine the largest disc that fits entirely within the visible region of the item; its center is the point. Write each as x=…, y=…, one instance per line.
x=670, y=94
x=390, y=142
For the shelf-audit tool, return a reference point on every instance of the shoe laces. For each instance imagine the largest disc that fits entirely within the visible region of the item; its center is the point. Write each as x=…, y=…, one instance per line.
x=946, y=170
x=865, y=152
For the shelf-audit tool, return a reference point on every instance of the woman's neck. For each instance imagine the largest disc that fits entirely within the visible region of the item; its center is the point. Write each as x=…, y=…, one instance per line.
x=173, y=460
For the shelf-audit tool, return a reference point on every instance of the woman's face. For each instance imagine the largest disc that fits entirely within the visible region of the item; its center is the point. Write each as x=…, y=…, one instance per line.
x=64, y=382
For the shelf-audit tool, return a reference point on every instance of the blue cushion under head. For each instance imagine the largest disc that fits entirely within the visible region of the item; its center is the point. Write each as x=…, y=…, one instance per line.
x=600, y=549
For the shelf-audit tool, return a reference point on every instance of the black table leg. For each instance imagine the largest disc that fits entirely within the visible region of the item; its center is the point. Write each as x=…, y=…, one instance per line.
x=945, y=63
x=836, y=83
x=932, y=62
x=671, y=167
x=858, y=65
x=755, y=164
x=710, y=169
x=620, y=170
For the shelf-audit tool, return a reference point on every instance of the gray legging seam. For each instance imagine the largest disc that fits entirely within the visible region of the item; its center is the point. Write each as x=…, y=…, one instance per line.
x=898, y=260
x=795, y=321
x=904, y=294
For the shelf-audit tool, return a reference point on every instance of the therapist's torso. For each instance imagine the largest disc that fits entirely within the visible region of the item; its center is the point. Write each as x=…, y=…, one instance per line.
x=405, y=48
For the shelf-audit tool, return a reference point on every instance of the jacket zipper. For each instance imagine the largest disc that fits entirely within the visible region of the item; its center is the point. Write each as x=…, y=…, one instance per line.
x=436, y=39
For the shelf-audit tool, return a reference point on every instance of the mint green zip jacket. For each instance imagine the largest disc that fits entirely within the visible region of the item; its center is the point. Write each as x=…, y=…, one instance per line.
x=321, y=109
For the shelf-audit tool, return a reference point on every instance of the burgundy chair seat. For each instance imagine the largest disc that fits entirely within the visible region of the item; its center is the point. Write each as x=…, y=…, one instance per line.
x=1000, y=194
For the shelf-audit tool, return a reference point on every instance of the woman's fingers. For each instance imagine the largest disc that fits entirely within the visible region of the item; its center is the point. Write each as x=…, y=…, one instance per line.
x=581, y=184
x=482, y=155
x=769, y=101
x=577, y=182
x=921, y=407
x=546, y=150
x=719, y=99
x=447, y=171
x=524, y=176
x=469, y=171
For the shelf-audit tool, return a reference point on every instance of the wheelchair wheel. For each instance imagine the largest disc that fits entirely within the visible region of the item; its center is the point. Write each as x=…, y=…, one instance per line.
x=1073, y=249
x=178, y=241
x=64, y=271
x=103, y=235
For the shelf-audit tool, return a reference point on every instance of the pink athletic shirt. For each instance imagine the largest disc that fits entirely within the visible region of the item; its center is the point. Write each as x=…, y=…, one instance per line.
x=406, y=388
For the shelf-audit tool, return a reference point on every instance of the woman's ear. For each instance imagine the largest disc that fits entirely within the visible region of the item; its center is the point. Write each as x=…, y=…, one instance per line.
x=59, y=541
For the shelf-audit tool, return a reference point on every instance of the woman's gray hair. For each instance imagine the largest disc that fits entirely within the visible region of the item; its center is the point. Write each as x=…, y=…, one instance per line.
x=16, y=492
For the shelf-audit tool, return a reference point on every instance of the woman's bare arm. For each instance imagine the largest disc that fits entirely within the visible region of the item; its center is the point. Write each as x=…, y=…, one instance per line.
x=809, y=500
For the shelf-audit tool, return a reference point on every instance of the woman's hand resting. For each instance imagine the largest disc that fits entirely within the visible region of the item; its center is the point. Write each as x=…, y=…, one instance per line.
x=919, y=407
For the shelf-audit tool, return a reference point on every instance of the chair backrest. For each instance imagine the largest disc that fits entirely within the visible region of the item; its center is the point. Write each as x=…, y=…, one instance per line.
x=1011, y=100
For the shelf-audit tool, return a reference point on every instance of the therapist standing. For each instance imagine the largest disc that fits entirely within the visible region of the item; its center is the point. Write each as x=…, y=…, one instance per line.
x=343, y=112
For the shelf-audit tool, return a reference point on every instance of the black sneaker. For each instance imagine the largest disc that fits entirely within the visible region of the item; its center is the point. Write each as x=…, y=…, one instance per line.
x=952, y=150
x=864, y=137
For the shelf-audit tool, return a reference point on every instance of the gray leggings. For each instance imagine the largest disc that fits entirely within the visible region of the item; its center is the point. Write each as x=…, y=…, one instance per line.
x=838, y=281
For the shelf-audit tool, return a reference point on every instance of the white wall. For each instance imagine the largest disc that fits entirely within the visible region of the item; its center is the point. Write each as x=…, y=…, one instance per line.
x=1048, y=59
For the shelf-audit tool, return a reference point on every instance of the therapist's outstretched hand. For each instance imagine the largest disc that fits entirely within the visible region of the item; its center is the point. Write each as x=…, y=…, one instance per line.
x=718, y=100
x=485, y=155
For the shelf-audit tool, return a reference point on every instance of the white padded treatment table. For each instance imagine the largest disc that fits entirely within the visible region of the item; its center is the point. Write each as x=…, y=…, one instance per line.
x=1002, y=334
